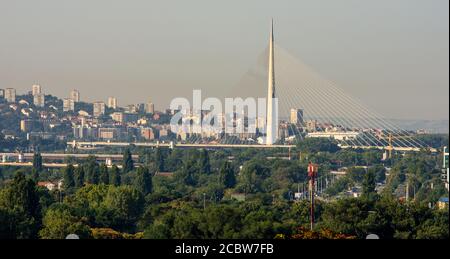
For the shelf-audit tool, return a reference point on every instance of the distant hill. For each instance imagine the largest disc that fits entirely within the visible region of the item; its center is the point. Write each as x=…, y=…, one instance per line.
x=431, y=126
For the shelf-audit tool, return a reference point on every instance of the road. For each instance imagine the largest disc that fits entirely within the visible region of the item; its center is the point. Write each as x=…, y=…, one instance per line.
x=60, y=156
x=46, y=165
x=171, y=145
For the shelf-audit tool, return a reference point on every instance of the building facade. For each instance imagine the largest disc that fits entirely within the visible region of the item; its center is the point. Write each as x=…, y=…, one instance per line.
x=75, y=95
x=112, y=102
x=26, y=125
x=108, y=133
x=39, y=100
x=36, y=89
x=148, y=133
x=311, y=125
x=68, y=105
x=118, y=117
x=296, y=116
x=150, y=108
x=10, y=95
x=99, y=109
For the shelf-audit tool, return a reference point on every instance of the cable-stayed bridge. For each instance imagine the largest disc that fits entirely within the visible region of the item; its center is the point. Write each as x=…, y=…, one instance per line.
x=326, y=112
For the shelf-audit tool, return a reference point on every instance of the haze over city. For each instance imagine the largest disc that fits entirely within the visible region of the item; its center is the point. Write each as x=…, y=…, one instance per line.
x=392, y=55
x=225, y=127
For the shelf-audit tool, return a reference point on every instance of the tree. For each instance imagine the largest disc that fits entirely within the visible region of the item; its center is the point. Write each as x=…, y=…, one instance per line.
x=338, y=186
x=21, y=202
x=187, y=172
x=303, y=233
x=252, y=176
x=204, y=165
x=92, y=170
x=352, y=217
x=143, y=181
x=159, y=160
x=314, y=145
x=227, y=176
x=127, y=163
x=37, y=162
x=7, y=219
x=69, y=179
x=79, y=176
x=34, y=175
x=104, y=175
x=59, y=222
x=127, y=203
x=380, y=173
x=356, y=174
x=369, y=185
x=157, y=230
x=115, y=176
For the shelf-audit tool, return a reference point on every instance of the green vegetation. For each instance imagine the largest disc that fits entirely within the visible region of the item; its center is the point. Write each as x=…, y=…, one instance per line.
x=227, y=194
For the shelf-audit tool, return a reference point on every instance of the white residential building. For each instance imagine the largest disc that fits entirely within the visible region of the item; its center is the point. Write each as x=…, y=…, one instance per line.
x=112, y=102
x=36, y=89
x=10, y=95
x=39, y=100
x=99, y=109
x=75, y=95
x=68, y=105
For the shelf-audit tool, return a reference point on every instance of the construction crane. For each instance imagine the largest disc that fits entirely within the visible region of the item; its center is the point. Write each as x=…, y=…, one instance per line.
x=390, y=138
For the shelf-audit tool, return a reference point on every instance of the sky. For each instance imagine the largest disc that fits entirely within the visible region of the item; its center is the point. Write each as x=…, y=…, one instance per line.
x=392, y=55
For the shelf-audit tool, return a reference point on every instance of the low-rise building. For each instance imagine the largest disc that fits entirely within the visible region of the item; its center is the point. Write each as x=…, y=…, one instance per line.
x=311, y=125
x=108, y=133
x=118, y=117
x=344, y=135
x=442, y=203
x=51, y=185
x=148, y=133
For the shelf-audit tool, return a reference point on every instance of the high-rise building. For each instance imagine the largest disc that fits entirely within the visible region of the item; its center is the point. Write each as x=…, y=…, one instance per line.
x=68, y=105
x=10, y=95
x=99, y=109
x=36, y=89
x=75, y=95
x=2, y=93
x=272, y=104
x=39, y=100
x=140, y=107
x=112, y=102
x=150, y=108
x=296, y=116
x=25, y=125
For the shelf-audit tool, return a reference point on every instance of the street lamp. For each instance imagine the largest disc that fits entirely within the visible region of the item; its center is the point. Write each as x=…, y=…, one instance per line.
x=204, y=201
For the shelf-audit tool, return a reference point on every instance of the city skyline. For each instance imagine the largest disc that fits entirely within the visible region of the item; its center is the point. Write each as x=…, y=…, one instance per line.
x=190, y=121
x=135, y=62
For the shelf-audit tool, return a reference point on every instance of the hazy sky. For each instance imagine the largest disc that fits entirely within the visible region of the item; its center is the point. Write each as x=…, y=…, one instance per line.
x=391, y=54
